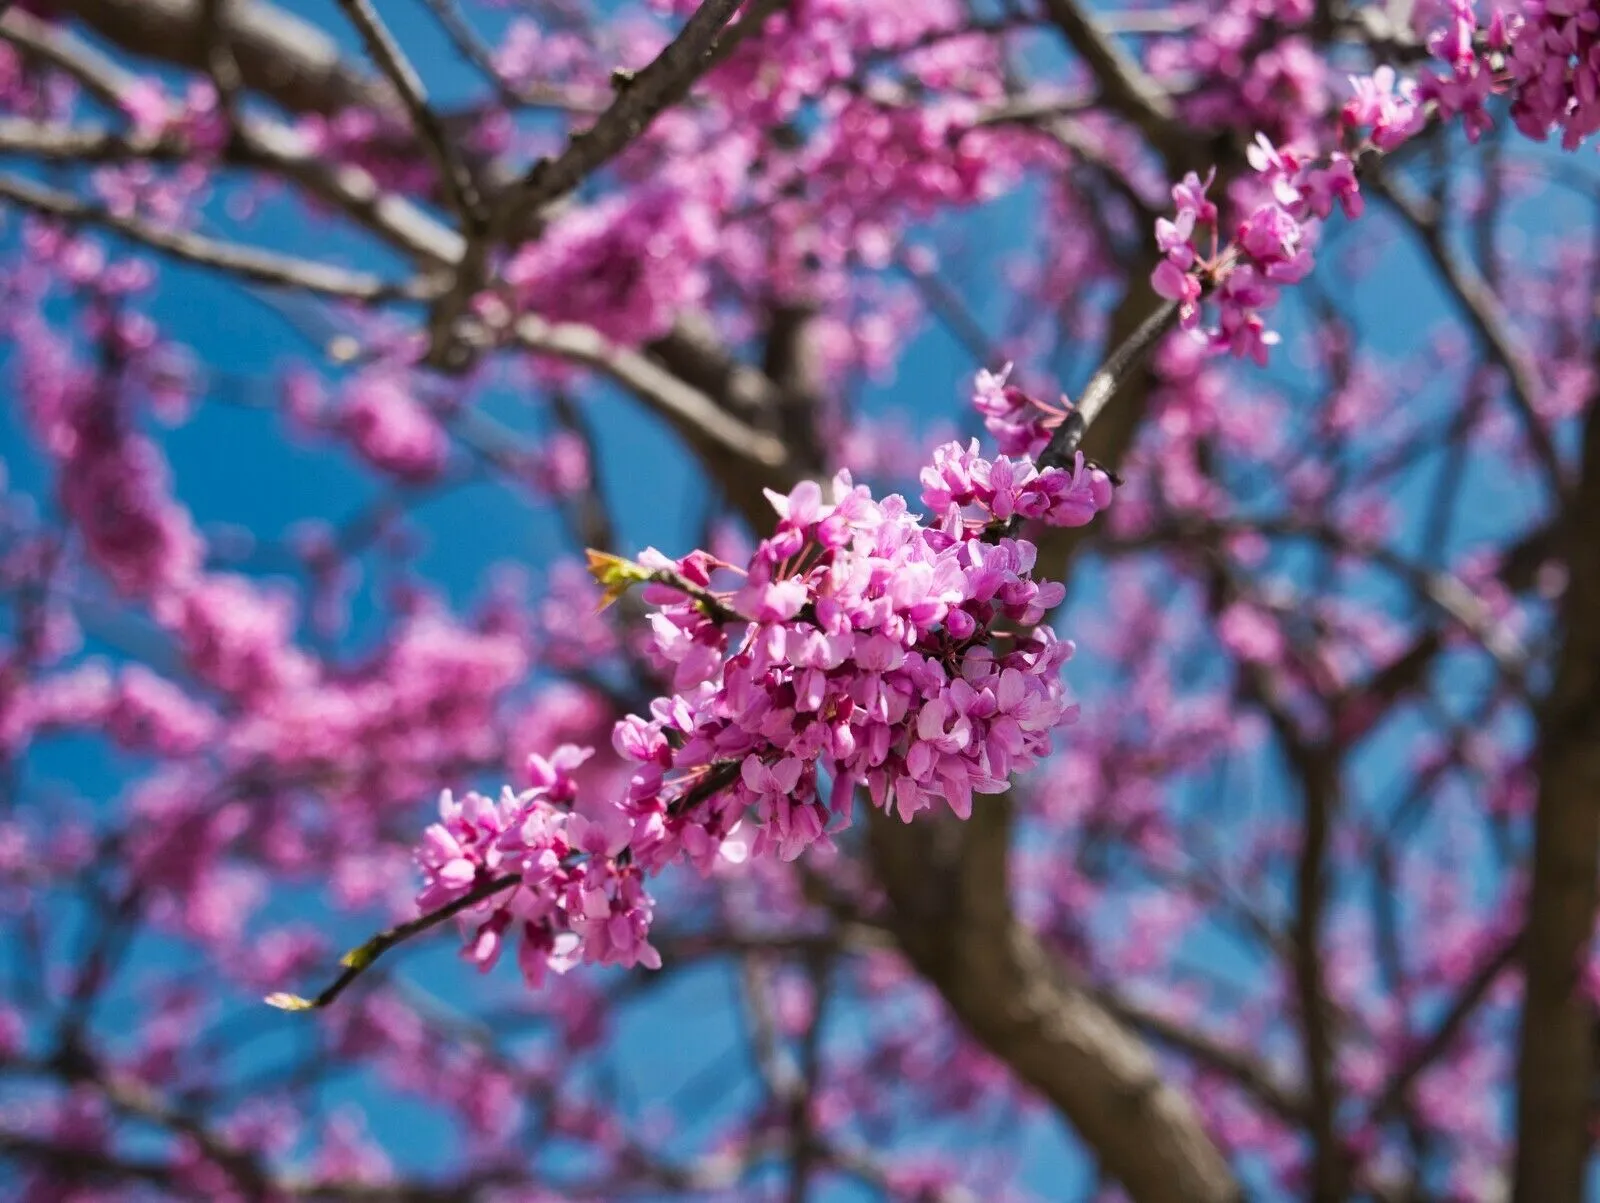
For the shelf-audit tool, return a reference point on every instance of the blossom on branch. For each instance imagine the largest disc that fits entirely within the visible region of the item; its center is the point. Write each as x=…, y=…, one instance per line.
x=868, y=647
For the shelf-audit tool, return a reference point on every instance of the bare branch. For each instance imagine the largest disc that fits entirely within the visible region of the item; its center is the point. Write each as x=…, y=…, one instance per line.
x=470, y=46
x=1486, y=318
x=107, y=81
x=519, y=212
x=1466, y=1003
x=1238, y=1065
x=249, y=263
x=279, y=54
x=952, y=914
x=1103, y=385
x=260, y=144
x=461, y=192
x=1125, y=85
x=1556, y=1055
x=640, y=98
x=693, y=412
x=1443, y=590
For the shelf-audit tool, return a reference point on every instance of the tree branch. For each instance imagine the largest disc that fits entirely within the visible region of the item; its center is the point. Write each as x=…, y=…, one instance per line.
x=947, y=883
x=105, y=80
x=1486, y=318
x=695, y=414
x=1128, y=355
x=460, y=191
x=640, y=98
x=358, y=960
x=1251, y=1075
x=1124, y=84
x=1556, y=1053
x=248, y=263
x=1472, y=994
x=280, y=55
x=518, y=213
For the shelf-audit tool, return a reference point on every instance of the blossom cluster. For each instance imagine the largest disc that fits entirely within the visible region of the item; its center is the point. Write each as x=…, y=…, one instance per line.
x=1020, y=424
x=1272, y=245
x=864, y=646
x=577, y=897
x=1554, y=62
x=1545, y=58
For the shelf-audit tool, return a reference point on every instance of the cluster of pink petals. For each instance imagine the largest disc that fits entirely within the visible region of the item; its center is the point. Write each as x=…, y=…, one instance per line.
x=867, y=646
x=1548, y=59
x=1545, y=57
x=1250, y=63
x=1272, y=245
x=578, y=895
x=391, y=428
x=196, y=120
x=1555, y=63
x=374, y=141
x=625, y=265
x=1389, y=107
x=114, y=482
x=960, y=480
x=1472, y=77
x=1019, y=424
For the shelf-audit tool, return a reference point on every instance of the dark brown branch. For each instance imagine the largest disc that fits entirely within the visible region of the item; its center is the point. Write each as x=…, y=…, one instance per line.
x=1556, y=1053
x=1314, y=766
x=1126, y=87
x=76, y=1165
x=1251, y=1075
x=951, y=308
x=644, y=95
x=1448, y=593
x=519, y=212
x=1317, y=773
x=947, y=883
x=1472, y=994
x=471, y=47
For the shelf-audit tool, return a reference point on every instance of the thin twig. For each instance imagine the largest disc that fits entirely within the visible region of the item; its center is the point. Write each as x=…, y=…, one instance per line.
x=519, y=212
x=1473, y=992
x=471, y=47
x=1469, y=287
x=358, y=960
x=460, y=191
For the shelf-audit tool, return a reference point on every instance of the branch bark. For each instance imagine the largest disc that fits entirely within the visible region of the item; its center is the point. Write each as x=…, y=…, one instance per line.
x=460, y=190
x=640, y=98
x=280, y=55
x=947, y=883
x=1557, y=1046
